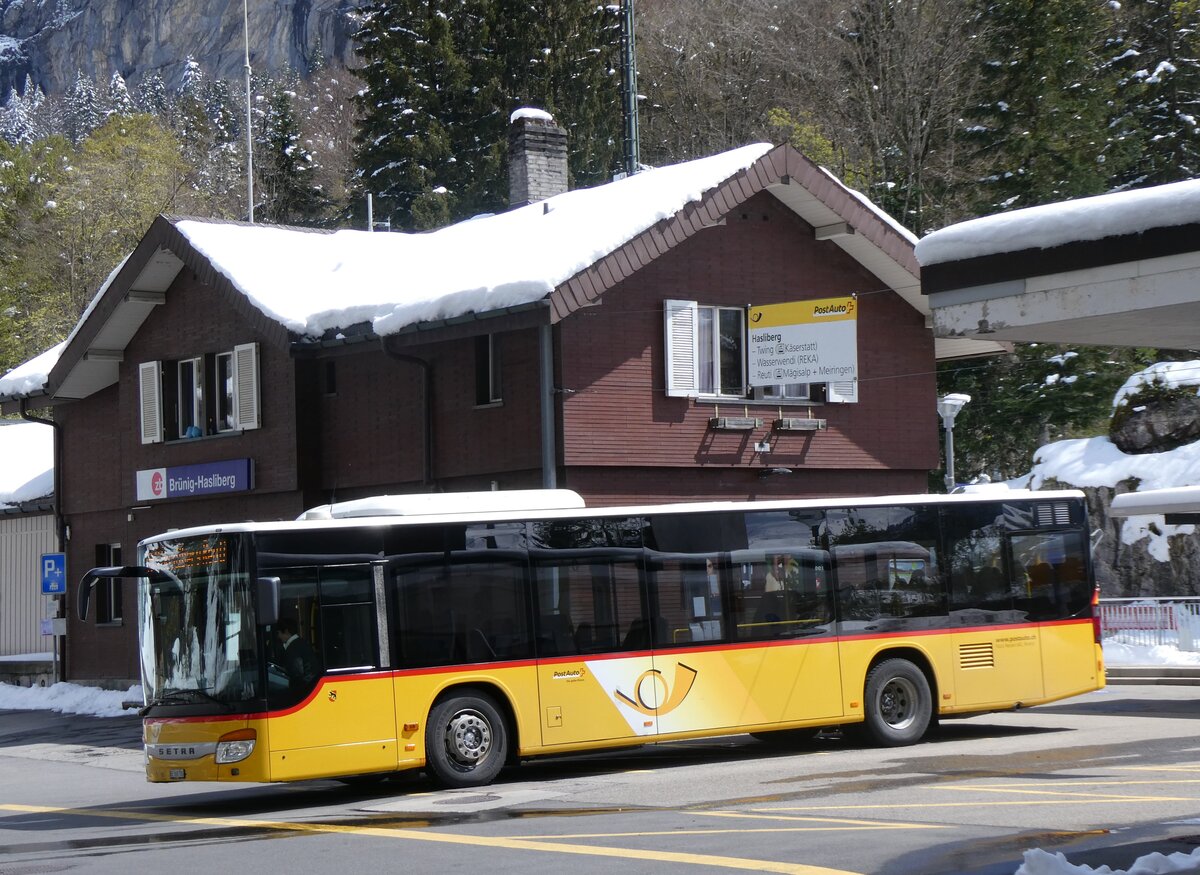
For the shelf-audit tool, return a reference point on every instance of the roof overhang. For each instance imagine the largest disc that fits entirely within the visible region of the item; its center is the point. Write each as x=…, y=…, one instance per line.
x=98, y=362
x=92, y=357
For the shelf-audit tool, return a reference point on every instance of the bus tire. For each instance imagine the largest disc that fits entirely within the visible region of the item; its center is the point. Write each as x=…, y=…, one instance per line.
x=466, y=741
x=898, y=703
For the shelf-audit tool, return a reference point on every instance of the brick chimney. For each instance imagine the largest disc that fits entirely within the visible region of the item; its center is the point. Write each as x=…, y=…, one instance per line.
x=537, y=157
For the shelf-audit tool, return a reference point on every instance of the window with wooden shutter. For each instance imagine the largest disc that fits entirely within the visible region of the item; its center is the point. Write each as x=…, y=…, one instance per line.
x=245, y=386
x=150, y=393
x=681, y=354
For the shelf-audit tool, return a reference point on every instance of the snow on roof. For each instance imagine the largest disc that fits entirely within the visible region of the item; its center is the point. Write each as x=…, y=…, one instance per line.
x=1092, y=218
x=28, y=470
x=30, y=377
x=315, y=282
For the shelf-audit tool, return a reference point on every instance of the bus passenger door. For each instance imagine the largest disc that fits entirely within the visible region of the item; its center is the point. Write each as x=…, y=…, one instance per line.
x=729, y=656
x=344, y=721
x=594, y=663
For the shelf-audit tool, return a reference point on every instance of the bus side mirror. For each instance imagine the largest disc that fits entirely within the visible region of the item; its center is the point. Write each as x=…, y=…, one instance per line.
x=84, y=595
x=268, y=601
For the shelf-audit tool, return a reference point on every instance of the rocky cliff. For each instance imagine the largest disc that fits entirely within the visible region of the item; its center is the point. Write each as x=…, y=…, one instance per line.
x=1152, y=443
x=1165, y=561
x=50, y=40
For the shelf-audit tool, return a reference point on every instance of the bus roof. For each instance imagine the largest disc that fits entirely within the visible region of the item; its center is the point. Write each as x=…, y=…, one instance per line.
x=477, y=514
x=426, y=503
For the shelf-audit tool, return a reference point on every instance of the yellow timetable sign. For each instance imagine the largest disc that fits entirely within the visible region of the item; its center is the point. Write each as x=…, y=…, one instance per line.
x=803, y=312
x=803, y=342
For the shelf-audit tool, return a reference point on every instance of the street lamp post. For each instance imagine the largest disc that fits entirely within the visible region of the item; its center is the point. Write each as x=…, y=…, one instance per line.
x=948, y=407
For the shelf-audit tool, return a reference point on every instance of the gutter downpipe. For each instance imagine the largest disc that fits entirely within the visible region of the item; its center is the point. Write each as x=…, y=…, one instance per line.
x=427, y=392
x=546, y=375
x=56, y=503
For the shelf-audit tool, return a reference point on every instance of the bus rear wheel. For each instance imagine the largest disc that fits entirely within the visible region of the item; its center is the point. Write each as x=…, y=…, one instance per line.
x=466, y=741
x=898, y=703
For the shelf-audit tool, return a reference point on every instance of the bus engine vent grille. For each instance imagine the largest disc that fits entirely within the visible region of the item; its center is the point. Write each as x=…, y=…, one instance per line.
x=1056, y=514
x=976, y=655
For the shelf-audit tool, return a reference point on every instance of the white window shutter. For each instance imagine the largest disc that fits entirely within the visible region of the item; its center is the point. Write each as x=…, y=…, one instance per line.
x=683, y=378
x=842, y=392
x=150, y=394
x=245, y=387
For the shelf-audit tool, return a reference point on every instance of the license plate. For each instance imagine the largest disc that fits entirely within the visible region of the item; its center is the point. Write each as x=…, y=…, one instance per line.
x=178, y=774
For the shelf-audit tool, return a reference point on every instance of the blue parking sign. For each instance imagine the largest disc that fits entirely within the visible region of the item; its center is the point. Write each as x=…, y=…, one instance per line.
x=54, y=573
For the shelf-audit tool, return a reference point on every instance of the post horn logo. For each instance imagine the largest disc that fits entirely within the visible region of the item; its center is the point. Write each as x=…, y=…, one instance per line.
x=652, y=687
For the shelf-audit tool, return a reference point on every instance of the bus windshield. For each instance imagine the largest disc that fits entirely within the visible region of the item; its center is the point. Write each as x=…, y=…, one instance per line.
x=199, y=641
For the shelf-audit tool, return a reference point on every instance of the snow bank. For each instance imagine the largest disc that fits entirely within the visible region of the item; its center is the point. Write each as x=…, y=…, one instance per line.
x=1039, y=862
x=68, y=699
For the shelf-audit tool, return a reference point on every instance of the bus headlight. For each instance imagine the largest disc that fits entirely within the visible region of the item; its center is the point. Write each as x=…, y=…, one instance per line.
x=233, y=747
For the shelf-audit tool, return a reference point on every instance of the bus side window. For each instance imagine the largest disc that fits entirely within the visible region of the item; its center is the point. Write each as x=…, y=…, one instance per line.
x=348, y=618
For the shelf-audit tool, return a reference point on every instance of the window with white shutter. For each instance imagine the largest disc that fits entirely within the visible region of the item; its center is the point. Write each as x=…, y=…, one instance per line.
x=681, y=355
x=150, y=393
x=245, y=386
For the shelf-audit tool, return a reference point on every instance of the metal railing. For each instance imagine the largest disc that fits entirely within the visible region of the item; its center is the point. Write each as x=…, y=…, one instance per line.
x=1145, y=622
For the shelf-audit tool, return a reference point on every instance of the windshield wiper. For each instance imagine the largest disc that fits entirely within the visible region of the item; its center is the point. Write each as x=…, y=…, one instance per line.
x=184, y=696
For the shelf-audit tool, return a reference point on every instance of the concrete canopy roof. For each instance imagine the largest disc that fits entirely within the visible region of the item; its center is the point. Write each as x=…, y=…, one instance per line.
x=1115, y=270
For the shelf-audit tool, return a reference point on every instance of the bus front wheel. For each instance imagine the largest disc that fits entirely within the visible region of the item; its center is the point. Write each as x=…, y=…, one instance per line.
x=466, y=741
x=898, y=703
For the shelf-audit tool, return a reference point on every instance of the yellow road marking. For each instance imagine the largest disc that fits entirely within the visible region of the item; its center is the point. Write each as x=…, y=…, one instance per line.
x=1116, y=782
x=841, y=821
x=1080, y=800
x=1103, y=796
x=449, y=838
x=821, y=824
x=1193, y=768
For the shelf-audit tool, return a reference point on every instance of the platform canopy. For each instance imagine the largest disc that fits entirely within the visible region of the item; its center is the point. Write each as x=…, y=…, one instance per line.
x=1120, y=269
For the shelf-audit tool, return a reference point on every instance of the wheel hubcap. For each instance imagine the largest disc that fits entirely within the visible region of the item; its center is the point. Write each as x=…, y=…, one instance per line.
x=468, y=738
x=898, y=703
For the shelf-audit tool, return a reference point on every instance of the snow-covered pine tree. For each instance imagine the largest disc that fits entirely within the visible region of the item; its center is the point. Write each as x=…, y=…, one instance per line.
x=427, y=143
x=82, y=112
x=120, y=102
x=1040, y=133
x=1157, y=55
x=16, y=126
x=153, y=98
x=284, y=166
x=565, y=58
x=441, y=79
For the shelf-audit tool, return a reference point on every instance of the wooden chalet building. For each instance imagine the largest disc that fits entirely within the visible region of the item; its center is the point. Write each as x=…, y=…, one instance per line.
x=590, y=341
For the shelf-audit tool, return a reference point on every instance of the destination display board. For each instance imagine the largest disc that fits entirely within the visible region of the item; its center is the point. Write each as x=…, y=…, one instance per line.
x=803, y=342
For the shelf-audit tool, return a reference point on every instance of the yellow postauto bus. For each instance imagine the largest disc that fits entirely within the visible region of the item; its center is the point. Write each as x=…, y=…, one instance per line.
x=369, y=638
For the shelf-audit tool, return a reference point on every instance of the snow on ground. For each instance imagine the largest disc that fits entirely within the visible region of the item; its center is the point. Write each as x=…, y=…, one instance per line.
x=1039, y=862
x=68, y=699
